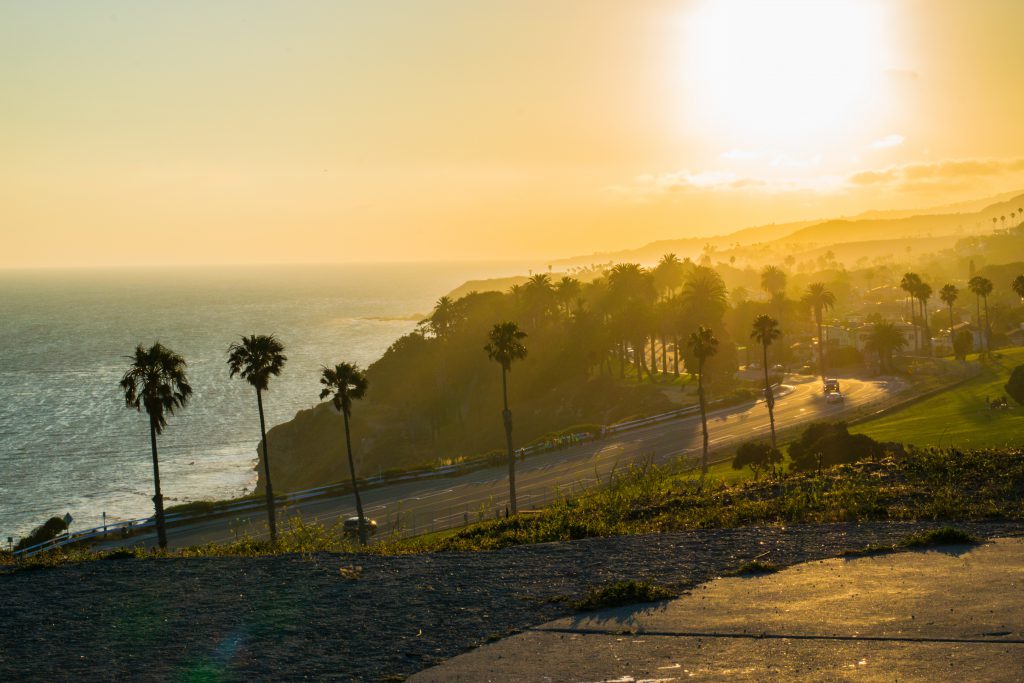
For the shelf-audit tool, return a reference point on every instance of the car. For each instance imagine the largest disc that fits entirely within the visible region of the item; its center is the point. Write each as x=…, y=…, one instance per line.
x=778, y=368
x=351, y=526
x=834, y=397
x=831, y=385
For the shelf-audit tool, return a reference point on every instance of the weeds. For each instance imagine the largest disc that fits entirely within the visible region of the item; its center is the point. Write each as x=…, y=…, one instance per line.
x=947, y=535
x=754, y=568
x=623, y=593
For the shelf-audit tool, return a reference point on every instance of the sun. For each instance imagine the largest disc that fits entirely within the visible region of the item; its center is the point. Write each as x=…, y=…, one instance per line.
x=775, y=73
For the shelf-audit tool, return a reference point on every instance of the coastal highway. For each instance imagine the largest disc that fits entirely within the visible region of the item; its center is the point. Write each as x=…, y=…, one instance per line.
x=423, y=506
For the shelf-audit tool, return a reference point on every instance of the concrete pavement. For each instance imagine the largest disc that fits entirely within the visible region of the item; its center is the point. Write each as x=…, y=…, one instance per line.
x=950, y=614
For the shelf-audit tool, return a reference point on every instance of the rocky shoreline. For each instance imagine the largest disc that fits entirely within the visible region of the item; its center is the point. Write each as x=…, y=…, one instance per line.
x=356, y=617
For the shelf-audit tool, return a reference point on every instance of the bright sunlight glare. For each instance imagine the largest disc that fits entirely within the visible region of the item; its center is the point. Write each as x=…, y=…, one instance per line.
x=760, y=73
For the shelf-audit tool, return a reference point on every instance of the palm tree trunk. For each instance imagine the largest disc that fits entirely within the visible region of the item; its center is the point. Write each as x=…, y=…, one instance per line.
x=703, y=421
x=988, y=331
x=821, y=344
x=675, y=355
x=913, y=322
x=952, y=337
x=158, y=498
x=638, y=361
x=664, y=356
x=654, y=359
x=769, y=396
x=271, y=518
x=977, y=300
x=355, y=487
x=506, y=416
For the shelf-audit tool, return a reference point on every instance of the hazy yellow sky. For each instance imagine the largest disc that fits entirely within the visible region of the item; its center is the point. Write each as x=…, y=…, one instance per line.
x=221, y=132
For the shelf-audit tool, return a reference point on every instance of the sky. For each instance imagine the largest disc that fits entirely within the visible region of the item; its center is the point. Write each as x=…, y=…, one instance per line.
x=206, y=132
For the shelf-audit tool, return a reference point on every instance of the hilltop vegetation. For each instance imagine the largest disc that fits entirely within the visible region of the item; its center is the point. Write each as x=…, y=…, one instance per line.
x=608, y=342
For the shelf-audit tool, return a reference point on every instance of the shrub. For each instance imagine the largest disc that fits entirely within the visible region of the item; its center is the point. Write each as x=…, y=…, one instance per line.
x=757, y=455
x=824, y=444
x=623, y=593
x=963, y=344
x=52, y=528
x=1015, y=386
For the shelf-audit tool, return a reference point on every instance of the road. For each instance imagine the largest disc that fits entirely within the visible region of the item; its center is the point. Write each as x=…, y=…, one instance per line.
x=422, y=506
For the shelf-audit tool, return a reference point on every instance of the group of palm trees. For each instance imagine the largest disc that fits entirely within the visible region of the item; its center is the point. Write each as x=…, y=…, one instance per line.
x=919, y=292
x=156, y=382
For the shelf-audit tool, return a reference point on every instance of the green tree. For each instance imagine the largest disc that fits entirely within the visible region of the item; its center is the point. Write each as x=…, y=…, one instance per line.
x=773, y=280
x=884, y=339
x=504, y=347
x=1015, y=385
x=756, y=455
x=668, y=274
x=981, y=287
x=819, y=299
x=1018, y=286
x=567, y=292
x=704, y=345
x=156, y=381
x=256, y=359
x=766, y=331
x=949, y=294
x=923, y=292
x=909, y=284
x=344, y=383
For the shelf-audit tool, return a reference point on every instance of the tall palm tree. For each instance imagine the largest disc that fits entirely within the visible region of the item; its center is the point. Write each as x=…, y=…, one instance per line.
x=981, y=287
x=156, y=381
x=704, y=345
x=883, y=339
x=949, y=294
x=766, y=330
x=343, y=383
x=923, y=292
x=909, y=284
x=819, y=299
x=504, y=347
x=256, y=359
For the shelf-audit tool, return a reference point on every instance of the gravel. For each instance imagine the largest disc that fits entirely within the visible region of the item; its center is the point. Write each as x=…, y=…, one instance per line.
x=355, y=617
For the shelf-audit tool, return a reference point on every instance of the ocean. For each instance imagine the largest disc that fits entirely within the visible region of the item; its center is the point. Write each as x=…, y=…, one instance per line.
x=68, y=444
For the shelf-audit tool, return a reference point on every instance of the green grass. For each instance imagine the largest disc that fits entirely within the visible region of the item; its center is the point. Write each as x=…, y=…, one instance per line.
x=623, y=593
x=921, y=484
x=959, y=415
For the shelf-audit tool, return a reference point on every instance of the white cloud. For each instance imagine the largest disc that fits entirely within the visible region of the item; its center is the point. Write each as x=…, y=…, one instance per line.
x=741, y=154
x=892, y=140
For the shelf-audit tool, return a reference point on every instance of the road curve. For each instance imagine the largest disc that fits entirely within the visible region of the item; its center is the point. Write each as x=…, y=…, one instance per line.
x=422, y=506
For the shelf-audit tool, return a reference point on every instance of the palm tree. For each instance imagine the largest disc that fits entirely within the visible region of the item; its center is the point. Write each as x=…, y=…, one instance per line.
x=256, y=359
x=506, y=346
x=704, y=345
x=343, y=383
x=981, y=287
x=766, y=330
x=883, y=339
x=1018, y=286
x=773, y=279
x=923, y=292
x=949, y=294
x=819, y=299
x=668, y=274
x=156, y=381
x=909, y=284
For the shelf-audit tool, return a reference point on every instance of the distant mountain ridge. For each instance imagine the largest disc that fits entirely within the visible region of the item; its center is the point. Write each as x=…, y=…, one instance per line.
x=968, y=217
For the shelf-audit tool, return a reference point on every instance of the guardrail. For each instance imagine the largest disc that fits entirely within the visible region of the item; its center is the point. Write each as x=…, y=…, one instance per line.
x=131, y=526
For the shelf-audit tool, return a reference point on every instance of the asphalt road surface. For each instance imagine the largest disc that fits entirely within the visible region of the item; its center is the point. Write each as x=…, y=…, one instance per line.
x=418, y=507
